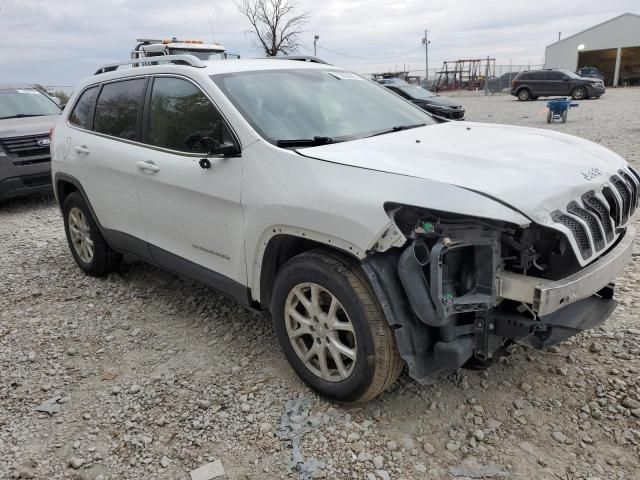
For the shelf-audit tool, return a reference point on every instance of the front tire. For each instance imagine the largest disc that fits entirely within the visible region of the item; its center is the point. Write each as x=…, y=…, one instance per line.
x=332, y=329
x=579, y=93
x=87, y=245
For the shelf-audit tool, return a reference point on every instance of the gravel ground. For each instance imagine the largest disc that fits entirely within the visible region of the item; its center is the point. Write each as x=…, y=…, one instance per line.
x=154, y=376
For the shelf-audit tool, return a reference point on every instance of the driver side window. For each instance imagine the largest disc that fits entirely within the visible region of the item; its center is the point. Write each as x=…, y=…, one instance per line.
x=180, y=116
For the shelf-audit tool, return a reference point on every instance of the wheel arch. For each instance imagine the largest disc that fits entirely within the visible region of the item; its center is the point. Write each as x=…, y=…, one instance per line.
x=284, y=243
x=63, y=185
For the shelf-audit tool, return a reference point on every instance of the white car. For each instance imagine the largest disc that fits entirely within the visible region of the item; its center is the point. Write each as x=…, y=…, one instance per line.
x=373, y=236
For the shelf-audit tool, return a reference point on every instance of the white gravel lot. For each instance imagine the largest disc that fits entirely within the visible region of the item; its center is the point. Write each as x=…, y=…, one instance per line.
x=157, y=376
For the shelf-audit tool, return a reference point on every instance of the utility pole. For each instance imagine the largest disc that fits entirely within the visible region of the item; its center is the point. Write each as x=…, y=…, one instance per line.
x=315, y=48
x=486, y=78
x=426, y=42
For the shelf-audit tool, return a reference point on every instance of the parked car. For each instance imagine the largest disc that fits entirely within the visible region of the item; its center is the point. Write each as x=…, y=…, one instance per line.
x=373, y=235
x=630, y=76
x=440, y=107
x=590, y=72
x=530, y=85
x=27, y=114
x=502, y=82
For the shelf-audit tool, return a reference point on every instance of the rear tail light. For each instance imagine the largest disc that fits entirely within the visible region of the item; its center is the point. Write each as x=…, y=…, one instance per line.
x=513, y=82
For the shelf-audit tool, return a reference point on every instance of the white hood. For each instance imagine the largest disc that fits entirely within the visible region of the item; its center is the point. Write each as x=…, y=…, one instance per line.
x=535, y=171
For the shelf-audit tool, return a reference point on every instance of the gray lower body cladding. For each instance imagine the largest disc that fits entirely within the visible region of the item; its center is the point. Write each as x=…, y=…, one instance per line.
x=432, y=348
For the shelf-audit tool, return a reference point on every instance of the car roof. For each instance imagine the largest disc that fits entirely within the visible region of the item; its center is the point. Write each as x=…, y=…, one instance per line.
x=211, y=67
x=247, y=65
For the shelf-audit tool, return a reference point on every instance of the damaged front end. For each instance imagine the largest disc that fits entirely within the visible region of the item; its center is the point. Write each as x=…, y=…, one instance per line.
x=460, y=289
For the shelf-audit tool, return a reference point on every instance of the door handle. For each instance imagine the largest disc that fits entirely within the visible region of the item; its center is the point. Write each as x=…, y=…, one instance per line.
x=150, y=166
x=83, y=149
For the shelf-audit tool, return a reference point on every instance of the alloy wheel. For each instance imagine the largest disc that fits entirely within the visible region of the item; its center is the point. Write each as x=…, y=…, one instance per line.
x=321, y=332
x=80, y=233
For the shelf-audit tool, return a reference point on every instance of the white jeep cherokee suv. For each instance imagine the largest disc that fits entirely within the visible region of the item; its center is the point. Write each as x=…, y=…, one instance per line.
x=374, y=236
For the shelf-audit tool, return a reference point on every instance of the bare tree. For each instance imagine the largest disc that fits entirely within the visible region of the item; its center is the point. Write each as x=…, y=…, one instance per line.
x=275, y=23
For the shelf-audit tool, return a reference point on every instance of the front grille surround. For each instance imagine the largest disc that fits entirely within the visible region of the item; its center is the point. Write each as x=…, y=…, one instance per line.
x=595, y=227
x=25, y=150
x=596, y=220
x=600, y=209
x=626, y=194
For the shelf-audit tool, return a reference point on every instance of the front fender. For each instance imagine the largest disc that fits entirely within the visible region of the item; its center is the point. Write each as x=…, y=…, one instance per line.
x=339, y=205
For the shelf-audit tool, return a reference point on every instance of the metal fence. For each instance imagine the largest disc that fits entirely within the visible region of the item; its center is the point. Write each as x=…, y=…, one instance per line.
x=500, y=77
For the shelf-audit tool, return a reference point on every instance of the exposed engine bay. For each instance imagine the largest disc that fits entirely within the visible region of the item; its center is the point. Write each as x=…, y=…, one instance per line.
x=441, y=292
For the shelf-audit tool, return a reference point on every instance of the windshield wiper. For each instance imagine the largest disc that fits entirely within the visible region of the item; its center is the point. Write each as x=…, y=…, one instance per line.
x=305, y=142
x=398, y=128
x=22, y=115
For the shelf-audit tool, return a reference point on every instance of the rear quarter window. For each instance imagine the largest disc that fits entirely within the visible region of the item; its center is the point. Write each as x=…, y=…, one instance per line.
x=119, y=107
x=82, y=109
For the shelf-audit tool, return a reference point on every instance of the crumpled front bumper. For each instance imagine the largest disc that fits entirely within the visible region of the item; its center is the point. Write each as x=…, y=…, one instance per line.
x=548, y=296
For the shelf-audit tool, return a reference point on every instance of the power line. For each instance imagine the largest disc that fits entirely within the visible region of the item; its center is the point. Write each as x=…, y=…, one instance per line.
x=371, y=59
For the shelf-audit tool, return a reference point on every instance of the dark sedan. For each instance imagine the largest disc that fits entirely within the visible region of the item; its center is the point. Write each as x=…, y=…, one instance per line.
x=440, y=107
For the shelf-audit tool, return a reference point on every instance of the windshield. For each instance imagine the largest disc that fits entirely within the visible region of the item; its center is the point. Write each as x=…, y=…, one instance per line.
x=306, y=104
x=25, y=102
x=571, y=74
x=416, y=92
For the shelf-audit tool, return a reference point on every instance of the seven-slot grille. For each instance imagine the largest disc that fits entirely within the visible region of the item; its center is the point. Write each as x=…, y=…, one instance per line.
x=594, y=220
x=26, y=147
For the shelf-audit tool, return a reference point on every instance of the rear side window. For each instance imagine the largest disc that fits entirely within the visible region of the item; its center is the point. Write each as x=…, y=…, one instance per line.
x=118, y=107
x=80, y=114
x=180, y=115
x=555, y=76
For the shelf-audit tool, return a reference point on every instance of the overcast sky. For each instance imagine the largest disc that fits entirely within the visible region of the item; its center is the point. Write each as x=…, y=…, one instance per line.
x=57, y=42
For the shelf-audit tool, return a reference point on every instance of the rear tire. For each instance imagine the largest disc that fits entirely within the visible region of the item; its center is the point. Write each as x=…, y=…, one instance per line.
x=579, y=93
x=349, y=355
x=549, y=116
x=524, y=94
x=564, y=116
x=87, y=245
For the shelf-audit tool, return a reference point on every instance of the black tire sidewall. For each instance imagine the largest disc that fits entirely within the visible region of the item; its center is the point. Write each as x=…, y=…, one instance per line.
x=524, y=90
x=75, y=200
x=579, y=89
x=296, y=272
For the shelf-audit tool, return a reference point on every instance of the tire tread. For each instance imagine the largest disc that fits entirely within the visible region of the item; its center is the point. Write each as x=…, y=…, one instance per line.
x=388, y=363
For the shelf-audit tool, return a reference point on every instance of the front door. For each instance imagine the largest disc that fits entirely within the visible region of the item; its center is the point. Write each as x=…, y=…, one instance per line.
x=558, y=83
x=192, y=215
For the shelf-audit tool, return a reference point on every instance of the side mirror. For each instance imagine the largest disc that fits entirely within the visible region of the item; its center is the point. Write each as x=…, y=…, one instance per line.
x=210, y=145
x=216, y=148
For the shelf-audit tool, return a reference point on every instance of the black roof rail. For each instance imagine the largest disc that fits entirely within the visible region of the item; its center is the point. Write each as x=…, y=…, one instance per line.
x=191, y=60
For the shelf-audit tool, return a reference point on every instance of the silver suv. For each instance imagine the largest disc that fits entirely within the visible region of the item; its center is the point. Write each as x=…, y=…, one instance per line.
x=27, y=114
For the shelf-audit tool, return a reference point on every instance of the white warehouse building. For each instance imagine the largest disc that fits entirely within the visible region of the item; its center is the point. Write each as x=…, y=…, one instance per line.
x=612, y=46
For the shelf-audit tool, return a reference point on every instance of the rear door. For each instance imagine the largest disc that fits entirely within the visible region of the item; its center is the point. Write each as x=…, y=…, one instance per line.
x=538, y=82
x=189, y=212
x=106, y=123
